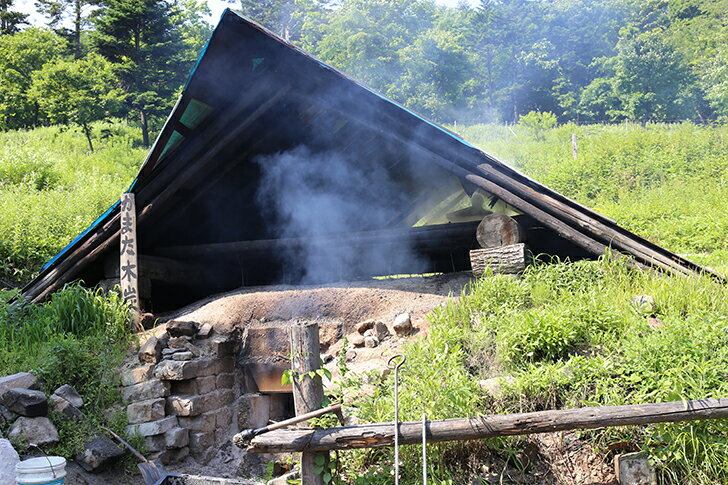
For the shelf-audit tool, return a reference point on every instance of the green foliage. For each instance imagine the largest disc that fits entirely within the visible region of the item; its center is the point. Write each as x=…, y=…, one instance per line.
x=21, y=55
x=140, y=39
x=537, y=123
x=10, y=20
x=77, y=92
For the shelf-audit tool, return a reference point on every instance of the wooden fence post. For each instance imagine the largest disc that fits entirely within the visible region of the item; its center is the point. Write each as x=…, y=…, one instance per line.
x=308, y=392
x=128, y=258
x=574, y=145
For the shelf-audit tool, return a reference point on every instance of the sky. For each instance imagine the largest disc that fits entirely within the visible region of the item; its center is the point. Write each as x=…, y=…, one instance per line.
x=216, y=8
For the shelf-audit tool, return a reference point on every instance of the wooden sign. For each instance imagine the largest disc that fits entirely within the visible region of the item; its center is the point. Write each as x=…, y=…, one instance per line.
x=128, y=262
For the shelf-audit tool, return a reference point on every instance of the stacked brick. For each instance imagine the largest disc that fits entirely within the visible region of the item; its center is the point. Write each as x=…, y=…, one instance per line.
x=181, y=405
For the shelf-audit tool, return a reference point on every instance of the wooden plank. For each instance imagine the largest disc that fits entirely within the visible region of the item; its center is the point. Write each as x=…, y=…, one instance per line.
x=308, y=392
x=382, y=434
x=511, y=259
x=128, y=261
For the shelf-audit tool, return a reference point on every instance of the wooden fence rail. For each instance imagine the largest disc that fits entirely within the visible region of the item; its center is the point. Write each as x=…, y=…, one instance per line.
x=382, y=434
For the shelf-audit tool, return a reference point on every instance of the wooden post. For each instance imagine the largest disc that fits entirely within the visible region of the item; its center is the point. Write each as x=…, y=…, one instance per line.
x=574, y=146
x=308, y=392
x=128, y=261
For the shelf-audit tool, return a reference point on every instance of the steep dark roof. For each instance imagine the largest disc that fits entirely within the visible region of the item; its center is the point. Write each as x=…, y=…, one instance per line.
x=252, y=93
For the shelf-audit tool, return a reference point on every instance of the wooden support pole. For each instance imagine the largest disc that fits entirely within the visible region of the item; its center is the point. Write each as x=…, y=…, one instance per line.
x=381, y=434
x=308, y=392
x=128, y=261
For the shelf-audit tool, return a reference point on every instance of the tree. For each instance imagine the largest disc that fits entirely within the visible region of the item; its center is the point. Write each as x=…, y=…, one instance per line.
x=22, y=54
x=651, y=78
x=284, y=17
x=78, y=11
x=142, y=41
x=194, y=30
x=10, y=20
x=77, y=92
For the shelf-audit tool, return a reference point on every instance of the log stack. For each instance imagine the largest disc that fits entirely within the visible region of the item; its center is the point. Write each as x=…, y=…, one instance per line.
x=503, y=248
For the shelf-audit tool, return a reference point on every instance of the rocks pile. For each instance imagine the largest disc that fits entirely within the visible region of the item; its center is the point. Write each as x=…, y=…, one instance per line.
x=370, y=333
x=180, y=398
x=22, y=404
x=27, y=408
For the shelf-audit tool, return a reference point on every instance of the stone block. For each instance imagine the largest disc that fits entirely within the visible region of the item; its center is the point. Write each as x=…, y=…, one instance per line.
x=137, y=375
x=145, y=411
x=179, y=328
x=177, y=438
x=194, y=405
x=356, y=339
x=154, y=444
x=150, y=351
x=184, y=355
x=200, y=385
x=371, y=341
x=362, y=327
x=201, y=441
x=253, y=411
x=204, y=422
x=266, y=342
x=39, y=431
x=223, y=348
x=179, y=343
x=154, y=427
x=65, y=408
x=21, y=380
x=8, y=459
x=634, y=469
x=145, y=390
x=69, y=394
x=225, y=381
x=99, y=454
x=381, y=331
x=172, y=439
x=25, y=402
x=329, y=334
x=179, y=371
x=167, y=457
x=224, y=418
x=205, y=330
x=167, y=353
x=402, y=324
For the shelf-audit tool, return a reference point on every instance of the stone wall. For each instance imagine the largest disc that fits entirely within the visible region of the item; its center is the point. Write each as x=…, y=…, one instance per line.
x=181, y=397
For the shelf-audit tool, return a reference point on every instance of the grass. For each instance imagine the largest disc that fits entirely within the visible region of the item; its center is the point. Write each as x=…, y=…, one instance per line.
x=569, y=336
x=78, y=337
x=52, y=188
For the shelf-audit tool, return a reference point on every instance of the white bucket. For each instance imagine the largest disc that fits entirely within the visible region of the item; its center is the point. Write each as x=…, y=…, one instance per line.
x=48, y=470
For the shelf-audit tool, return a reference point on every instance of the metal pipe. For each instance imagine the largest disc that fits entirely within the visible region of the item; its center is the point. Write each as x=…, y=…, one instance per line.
x=392, y=364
